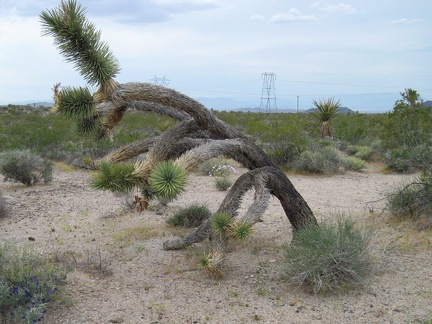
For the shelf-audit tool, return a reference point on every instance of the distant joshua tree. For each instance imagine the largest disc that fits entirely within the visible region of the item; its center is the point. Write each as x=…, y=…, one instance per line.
x=325, y=111
x=197, y=136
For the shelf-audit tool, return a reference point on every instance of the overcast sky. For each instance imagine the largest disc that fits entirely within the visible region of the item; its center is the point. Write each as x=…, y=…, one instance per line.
x=220, y=48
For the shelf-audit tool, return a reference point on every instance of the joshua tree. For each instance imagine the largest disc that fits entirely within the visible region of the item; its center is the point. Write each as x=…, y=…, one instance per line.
x=197, y=136
x=325, y=111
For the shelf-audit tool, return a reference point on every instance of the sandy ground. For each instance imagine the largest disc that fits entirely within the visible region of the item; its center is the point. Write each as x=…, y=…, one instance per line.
x=122, y=274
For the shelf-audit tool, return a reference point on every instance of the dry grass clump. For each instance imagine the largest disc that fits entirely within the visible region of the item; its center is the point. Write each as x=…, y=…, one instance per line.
x=329, y=256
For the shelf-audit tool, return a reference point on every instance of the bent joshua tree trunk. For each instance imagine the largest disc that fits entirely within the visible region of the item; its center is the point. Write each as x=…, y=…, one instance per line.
x=198, y=135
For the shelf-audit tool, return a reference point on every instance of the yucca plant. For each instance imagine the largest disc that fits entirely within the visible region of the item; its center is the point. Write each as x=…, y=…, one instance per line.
x=325, y=111
x=79, y=42
x=196, y=136
x=220, y=223
x=240, y=229
x=167, y=180
x=116, y=177
x=212, y=261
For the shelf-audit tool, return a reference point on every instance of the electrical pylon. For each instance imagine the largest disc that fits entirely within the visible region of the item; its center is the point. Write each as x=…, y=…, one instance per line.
x=268, y=94
x=160, y=81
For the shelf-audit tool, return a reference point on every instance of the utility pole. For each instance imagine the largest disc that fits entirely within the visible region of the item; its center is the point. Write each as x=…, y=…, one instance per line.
x=297, y=103
x=160, y=81
x=268, y=93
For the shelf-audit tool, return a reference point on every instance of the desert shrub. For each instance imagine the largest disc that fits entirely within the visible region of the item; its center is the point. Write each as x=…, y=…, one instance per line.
x=323, y=160
x=361, y=152
x=222, y=183
x=352, y=163
x=283, y=152
x=25, y=167
x=3, y=206
x=282, y=136
x=357, y=128
x=407, y=129
x=398, y=159
x=413, y=199
x=207, y=166
x=216, y=168
x=191, y=216
x=27, y=283
x=328, y=256
x=222, y=170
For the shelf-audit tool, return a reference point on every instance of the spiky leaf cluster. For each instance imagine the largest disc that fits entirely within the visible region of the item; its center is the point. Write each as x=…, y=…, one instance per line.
x=240, y=230
x=88, y=126
x=325, y=110
x=167, y=180
x=79, y=42
x=76, y=103
x=220, y=223
x=212, y=261
x=115, y=177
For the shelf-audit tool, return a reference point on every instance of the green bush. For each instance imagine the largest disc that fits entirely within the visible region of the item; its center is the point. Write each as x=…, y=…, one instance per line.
x=413, y=199
x=328, y=256
x=191, y=216
x=361, y=152
x=323, y=160
x=222, y=183
x=3, y=206
x=25, y=167
x=27, y=283
x=399, y=159
x=283, y=152
x=352, y=163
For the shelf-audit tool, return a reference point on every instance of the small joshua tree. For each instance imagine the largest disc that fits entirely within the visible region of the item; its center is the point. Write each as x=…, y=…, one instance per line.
x=197, y=137
x=325, y=111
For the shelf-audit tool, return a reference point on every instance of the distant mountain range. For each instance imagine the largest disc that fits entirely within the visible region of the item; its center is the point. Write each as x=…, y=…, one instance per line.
x=286, y=106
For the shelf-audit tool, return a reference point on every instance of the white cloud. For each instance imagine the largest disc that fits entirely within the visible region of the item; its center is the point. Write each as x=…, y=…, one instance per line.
x=257, y=18
x=293, y=16
x=404, y=21
x=340, y=8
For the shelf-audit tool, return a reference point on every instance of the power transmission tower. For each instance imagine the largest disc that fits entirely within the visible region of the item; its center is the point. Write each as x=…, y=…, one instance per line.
x=268, y=94
x=160, y=81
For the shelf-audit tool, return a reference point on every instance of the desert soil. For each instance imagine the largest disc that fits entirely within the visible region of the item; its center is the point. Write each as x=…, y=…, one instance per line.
x=121, y=274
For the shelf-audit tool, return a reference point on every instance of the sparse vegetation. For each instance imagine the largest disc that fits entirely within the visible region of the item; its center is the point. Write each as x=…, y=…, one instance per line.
x=28, y=282
x=222, y=183
x=353, y=164
x=328, y=257
x=191, y=216
x=3, y=206
x=321, y=160
x=413, y=199
x=25, y=167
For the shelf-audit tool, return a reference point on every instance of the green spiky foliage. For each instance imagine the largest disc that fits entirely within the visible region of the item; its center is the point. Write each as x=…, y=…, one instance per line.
x=212, y=262
x=115, y=177
x=240, y=230
x=325, y=111
x=76, y=103
x=167, y=180
x=79, y=42
x=88, y=126
x=221, y=223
